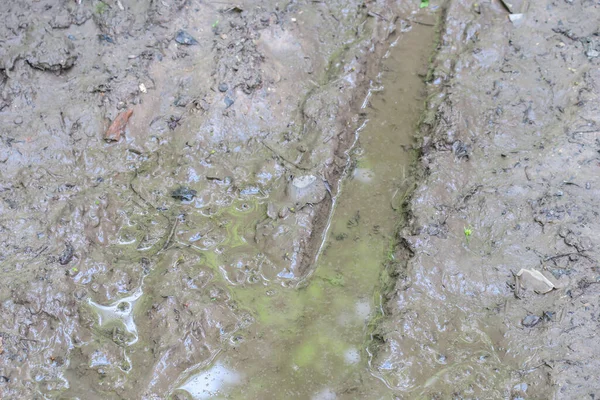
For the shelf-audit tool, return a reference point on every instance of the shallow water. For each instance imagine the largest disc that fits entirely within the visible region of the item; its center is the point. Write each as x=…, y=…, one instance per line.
x=310, y=342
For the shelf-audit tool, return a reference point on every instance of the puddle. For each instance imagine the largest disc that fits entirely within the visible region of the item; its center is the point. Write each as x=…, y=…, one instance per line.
x=311, y=342
x=120, y=310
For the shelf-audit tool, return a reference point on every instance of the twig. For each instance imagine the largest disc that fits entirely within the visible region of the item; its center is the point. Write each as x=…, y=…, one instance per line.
x=170, y=237
x=141, y=197
x=423, y=23
x=374, y=14
x=283, y=158
x=569, y=254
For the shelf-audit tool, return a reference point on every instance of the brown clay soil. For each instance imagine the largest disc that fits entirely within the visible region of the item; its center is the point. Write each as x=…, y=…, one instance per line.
x=159, y=159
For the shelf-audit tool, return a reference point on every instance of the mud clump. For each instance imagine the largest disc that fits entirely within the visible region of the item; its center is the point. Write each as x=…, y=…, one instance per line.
x=306, y=189
x=56, y=54
x=67, y=254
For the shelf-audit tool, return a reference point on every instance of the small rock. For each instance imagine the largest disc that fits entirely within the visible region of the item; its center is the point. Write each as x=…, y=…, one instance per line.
x=271, y=211
x=184, y=194
x=182, y=101
x=284, y=212
x=228, y=101
x=515, y=18
x=67, y=254
x=306, y=189
x=106, y=38
x=185, y=38
x=592, y=53
x=530, y=321
x=143, y=88
x=301, y=182
x=223, y=87
x=18, y=121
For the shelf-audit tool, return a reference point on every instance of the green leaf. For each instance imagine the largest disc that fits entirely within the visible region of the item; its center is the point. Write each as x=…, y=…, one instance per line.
x=424, y=4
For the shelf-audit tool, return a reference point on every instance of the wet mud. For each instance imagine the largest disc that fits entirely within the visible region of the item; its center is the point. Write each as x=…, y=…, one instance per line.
x=225, y=200
x=507, y=182
x=310, y=343
x=160, y=161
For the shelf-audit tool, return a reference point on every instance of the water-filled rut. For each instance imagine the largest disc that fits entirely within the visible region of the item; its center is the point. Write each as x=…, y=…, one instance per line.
x=312, y=342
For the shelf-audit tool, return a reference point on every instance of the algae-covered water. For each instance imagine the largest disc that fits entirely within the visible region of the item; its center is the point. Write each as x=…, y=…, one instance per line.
x=311, y=341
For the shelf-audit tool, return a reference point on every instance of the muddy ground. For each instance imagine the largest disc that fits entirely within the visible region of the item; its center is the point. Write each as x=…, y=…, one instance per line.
x=119, y=256
x=508, y=181
x=124, y=261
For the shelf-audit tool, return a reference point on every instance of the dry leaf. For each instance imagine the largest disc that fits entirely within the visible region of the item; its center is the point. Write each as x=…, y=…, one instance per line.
x=535, y=280
x=117, y=128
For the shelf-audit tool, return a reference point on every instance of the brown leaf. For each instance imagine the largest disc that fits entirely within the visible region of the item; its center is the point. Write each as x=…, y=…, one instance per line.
x=117, y=128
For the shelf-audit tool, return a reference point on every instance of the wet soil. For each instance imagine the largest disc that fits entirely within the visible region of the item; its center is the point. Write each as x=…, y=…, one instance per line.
x=310, y=343
x=218, y=199
x=160, y=161
x=508, y=181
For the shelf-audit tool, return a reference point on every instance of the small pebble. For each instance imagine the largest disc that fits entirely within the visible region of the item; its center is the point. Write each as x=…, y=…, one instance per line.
x=530, y=321
x=182, y=37
x=18, y=121
x=223, y=87
x=184, y=194
x=228, y=101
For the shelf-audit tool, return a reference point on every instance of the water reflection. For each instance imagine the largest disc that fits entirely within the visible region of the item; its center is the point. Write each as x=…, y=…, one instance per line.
x=209, y=384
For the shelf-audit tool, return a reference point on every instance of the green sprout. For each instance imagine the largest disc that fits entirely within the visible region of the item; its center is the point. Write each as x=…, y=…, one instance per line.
x=424, y=4
x=468, y=231
x=215, y=24
x=101, y=7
